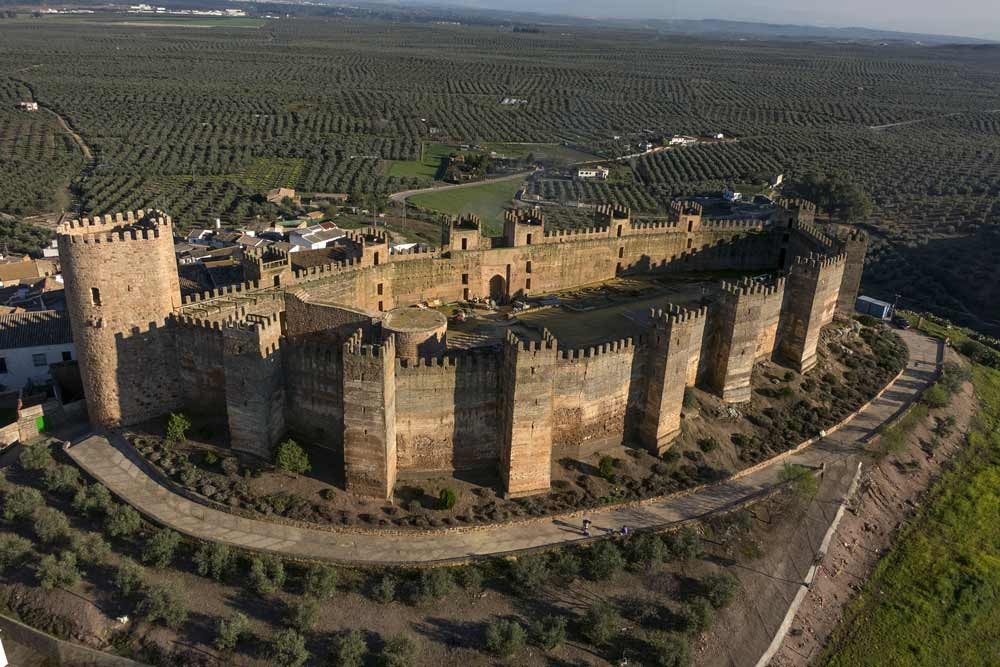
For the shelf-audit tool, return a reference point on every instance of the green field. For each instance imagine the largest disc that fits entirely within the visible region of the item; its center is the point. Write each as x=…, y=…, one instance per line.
x=429, y=166
x=488, y=201
x=935, y=599
x=542, y=152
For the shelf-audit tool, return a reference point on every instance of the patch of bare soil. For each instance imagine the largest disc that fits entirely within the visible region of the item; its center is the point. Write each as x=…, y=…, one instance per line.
x=889, y=495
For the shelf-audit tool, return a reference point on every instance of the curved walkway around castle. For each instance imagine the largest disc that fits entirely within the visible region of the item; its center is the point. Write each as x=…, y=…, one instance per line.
x=114, y=468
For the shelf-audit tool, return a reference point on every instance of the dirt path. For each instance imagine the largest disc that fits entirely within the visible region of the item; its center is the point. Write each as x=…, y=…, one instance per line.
x=84, y=148
x=116, y=466
x=889, y=495
x=406, y=194
x=903, y=123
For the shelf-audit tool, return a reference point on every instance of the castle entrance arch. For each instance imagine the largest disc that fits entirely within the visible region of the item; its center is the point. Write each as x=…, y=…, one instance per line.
x=498, y=289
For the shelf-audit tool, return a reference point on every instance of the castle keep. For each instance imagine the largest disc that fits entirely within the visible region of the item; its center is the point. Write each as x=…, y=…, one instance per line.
x=333, y=355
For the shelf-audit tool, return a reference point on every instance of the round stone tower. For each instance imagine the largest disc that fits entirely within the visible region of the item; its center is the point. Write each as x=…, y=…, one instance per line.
x=419, y=332
x=121, y=285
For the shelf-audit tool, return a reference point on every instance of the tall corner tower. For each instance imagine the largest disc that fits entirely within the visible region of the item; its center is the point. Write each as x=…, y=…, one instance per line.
x=121, y=286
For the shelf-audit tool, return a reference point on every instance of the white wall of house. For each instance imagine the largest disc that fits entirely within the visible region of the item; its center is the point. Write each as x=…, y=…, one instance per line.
x=19, y=365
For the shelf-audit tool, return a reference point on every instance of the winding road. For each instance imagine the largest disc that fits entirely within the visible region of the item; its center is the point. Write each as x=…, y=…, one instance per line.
x=115, y=465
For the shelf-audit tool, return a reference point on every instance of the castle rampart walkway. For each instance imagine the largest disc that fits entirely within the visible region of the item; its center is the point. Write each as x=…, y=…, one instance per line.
x=112, y=466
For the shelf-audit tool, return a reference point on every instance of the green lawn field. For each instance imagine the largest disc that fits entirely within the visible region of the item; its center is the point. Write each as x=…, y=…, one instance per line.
x=934, y=601
x=488, y=201
x=429, y=166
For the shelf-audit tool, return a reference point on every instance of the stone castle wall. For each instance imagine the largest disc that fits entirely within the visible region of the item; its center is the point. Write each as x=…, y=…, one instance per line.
x=304, y=353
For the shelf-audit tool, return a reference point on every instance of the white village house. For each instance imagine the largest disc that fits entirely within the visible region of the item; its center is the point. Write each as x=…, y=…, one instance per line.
x=29, y=343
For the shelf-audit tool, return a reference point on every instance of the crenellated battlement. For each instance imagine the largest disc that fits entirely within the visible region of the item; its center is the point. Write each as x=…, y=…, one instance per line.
x=680, y=208
x=356, y=346
x=749, y=287
x=728, y=225
x=187, y=321
x=462, y=361
x=515, y=343
x=228, y=291
x=130, y=226
x=815, y=233
x=654, y=226
x=796, y=204
x=525, y=216
x=575, y=234
x=665, y=317
x=621, y=346
x=612, y=212
x=815, y=262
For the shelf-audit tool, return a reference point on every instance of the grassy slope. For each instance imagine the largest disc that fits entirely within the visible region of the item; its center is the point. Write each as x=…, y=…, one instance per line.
x=935, y=599
x=427, y=167
x=487, y=201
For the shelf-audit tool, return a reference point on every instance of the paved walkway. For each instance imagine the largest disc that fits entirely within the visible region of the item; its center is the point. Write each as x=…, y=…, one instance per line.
x=113, y=467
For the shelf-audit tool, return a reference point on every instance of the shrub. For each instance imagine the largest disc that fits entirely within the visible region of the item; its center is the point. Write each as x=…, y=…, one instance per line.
x=320, y=581
x=267, y=574
x=399, y=651
x=606, y=467
x=470, y=578
x=708, y=444
x=789, y=376
x=528, y=573
x=447, y=498
x=741, y=440
x=35, y=457
x=800, y=479
x=122, y=521
x=684, y=544
x=13, y=550
x=230, y=630
x=604, y=560
x=290, y=457
x=567, y=565
x=130, y=577
x=349, y=650
x=21, y=502
x=549, y=631
x=697, y=616
x=327, y=494
x=303, y=614
x=601, y=623
x=213, y=560
x=160, y=548
x=953, y=376
x=646, y=551
x=164, y=603
x=936, y=396
x=504, y=637
x=58, y=572
x=976, y=351
x=288, y=649
x=669, y=650
x=177, y=427
x=90, y=548
x=50, y=525
x=93, y=498
x=434, y=584
x=61, y=478
x=719, y=588
x=384, y=590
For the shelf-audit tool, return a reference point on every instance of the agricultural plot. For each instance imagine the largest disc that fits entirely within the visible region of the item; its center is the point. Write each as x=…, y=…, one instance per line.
x=202, y=120
x=430, y=165
x=488, y=201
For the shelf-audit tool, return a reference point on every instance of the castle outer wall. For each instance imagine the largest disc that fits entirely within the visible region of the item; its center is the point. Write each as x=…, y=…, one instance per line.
x=304, y=353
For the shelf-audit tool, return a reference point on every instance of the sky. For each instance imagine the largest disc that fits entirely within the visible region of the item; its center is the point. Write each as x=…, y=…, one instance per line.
x=970, y=18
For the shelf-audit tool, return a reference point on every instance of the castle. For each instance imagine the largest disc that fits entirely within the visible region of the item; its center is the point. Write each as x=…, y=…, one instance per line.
x=332, y=355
